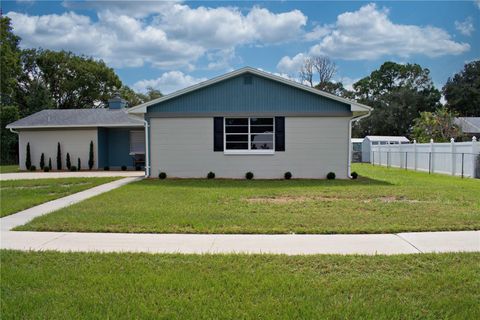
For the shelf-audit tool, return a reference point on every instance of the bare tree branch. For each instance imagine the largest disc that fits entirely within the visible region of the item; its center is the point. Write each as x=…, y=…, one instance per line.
x=325, y=68
x=306, y=71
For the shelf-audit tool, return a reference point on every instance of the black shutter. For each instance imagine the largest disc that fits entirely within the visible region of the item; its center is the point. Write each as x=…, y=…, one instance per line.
x=218, y=134
x=279, y=133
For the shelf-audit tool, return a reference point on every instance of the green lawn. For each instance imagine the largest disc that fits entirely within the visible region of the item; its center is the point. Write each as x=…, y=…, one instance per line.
x=17, y=195
x=382, y=200
x=9, y=168
x=50, y=285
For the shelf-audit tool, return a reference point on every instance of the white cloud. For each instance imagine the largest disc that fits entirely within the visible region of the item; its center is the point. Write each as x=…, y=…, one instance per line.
x=291, y=65
x=317, y=33
x=369, y=34
x=168, y=82
x=162, y=34
x=465, y=27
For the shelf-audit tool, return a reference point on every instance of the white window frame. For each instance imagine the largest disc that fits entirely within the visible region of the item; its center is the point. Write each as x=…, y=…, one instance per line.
x=133, y=152
x=249, y=150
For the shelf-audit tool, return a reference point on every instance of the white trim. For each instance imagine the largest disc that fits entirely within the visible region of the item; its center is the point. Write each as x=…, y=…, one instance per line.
x=78, y=126
x=249, y=135
x=354, y=106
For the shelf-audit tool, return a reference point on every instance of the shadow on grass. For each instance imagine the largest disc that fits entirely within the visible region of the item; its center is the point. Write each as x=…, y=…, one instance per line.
x=260, y=184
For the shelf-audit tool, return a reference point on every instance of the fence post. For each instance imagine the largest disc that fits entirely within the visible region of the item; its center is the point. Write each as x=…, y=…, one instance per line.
x=432, y=158
x=475, y=151
x=400, y=156
x=415, y=154
x=454, y=156
x=379, y=155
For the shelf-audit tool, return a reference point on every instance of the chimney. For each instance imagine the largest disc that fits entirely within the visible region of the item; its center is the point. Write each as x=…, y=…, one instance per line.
x=117, y=102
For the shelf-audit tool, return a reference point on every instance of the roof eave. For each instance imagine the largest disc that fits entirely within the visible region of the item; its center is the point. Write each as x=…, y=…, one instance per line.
x=75, y=126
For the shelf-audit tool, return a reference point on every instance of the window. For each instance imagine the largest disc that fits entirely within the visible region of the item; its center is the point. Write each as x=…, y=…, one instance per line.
x=137, y=142
x=253, y=135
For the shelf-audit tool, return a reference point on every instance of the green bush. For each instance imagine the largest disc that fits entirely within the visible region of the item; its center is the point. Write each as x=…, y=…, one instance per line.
x=90, y=156
x=50, y=164
x=46, y=169
x=79, y=164
x=42, y=161
x=211, y=175
x=28, y=160
x=138, y=168
x=331, y=176
x=288, y=175
x=124, y=168
x=33, y=168
x=69, y=163
x=249, y=175
x=354, y=175
x=59, y=157
x=73, y=168
x=106, y=168
x=162, y=175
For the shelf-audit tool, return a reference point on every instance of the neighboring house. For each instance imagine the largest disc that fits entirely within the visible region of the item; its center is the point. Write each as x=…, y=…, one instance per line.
x=249, y=120
x=357, y=149
x=118, y=138
x=246, y=120
x=470, y=126
x=368, y=141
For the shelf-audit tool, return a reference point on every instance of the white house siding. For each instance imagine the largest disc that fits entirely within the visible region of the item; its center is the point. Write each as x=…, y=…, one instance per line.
x=314, y=146
x=74, y=141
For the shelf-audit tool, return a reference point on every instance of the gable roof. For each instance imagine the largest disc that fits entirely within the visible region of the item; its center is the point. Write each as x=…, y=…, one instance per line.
x=355, y=107
x=468, y=124
x=58, y=118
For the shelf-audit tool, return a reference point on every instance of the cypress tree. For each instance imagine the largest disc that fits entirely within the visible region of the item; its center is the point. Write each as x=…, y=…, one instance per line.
x=28, y=160
x=69, y=164
x=50, y=164
x=90, y=156
x=42, y=161
x=79, y=164
x=59, y=157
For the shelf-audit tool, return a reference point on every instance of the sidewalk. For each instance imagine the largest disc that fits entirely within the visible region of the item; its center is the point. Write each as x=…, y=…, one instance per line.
x=69, y=174
x=401, y=243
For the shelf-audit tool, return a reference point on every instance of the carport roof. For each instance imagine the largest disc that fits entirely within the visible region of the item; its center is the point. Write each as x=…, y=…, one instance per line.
x=77, y=118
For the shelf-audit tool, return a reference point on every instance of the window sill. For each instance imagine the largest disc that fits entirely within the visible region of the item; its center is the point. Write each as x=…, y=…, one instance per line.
x=248, y=153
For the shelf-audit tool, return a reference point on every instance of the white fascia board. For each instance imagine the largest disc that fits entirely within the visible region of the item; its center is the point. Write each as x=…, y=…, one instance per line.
x=354, y=106
x=77, y=126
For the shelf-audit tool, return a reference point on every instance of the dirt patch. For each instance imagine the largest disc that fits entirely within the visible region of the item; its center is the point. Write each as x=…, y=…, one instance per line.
x=393, y=199
x=301, y=198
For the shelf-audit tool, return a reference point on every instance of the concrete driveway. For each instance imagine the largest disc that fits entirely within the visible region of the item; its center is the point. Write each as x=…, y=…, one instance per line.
x=69, y=174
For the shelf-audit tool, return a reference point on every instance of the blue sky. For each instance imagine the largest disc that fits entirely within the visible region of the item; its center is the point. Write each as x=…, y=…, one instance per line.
x=170, y=45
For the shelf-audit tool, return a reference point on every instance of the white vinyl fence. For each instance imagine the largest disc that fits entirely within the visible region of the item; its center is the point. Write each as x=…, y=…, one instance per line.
x=454, y=158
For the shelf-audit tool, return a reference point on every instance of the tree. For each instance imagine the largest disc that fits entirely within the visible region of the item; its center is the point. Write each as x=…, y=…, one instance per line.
x=335, y=88
x=42, y=161
x=59, y=157
x=398, y=93
x=50, y=164
x=79, y=164
x=438, y=125
x=9, y=62
x=90, y=156
x=306, y=71
x=9, y=140
x=28, y=159
x=462, y=92
x=68, y=163
x=326, y=69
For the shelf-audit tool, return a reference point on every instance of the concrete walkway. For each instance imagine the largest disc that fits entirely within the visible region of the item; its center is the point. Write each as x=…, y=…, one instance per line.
x=467, y=241
x=69, y=174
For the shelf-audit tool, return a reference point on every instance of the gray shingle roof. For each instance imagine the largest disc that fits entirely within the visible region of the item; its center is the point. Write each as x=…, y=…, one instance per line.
x=76, y=118
x=469, y=124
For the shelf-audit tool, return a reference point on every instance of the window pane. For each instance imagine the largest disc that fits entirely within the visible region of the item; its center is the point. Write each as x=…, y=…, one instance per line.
x=236, y=121
x=262, y=142
x=237, y=146
x=236, y=137
x=262, y=146
x=236, y=129
x=261, y=129
x=261, y=121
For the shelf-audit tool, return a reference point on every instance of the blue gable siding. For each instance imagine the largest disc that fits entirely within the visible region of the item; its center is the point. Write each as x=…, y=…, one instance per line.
x=262, y=95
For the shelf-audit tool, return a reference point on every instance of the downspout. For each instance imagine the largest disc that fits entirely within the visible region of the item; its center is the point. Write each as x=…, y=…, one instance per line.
x=147, y=151
x=13, y=131
x=349, y=167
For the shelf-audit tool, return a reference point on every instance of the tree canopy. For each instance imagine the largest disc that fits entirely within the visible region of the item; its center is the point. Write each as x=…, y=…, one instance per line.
x=462, y=92
x=439, y=126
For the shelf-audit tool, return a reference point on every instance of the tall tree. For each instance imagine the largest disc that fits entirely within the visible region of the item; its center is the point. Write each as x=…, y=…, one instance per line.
x=326, y=69
x=398, y=93
x=462, y=92
x=306, y=71
x=9, y=62
x=438, y=125
x=9, y=140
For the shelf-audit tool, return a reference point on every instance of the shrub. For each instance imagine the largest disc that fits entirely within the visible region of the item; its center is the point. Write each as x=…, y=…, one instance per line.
x=162, y=175
x=354, y=175
x=73, y=168
x=331, y=176
x=288, y=175
x=68, y=162
x=79, y=164
x=42, y=161
x=46, y=169
x=90, y=156
x=33, y=168
x=138, y=168
x=106, y=168
x=249, y=175
x=124, y=168
x=28, y=160
x=59, y=157
x=211, y=175
x=50, y=164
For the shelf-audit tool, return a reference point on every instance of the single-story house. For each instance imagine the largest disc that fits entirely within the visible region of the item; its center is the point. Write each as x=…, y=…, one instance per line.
x=245, y=120
x=370, y=141
x=470, y=126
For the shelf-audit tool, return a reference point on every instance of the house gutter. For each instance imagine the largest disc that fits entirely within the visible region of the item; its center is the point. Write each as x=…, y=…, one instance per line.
x=349, y=167
x=13, y=131
x=147, y=151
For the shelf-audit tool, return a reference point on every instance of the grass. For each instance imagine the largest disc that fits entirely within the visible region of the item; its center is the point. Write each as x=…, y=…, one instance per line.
x=17, y=195
x=49, y=285
x=382, y=200
x=9, y=168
